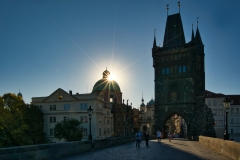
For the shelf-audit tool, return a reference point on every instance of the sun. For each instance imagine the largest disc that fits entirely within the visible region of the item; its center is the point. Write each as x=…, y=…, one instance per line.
x=111, y=77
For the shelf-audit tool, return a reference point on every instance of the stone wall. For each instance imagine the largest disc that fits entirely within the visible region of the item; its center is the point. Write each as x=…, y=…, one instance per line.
x=57, y=150
x=228, y=148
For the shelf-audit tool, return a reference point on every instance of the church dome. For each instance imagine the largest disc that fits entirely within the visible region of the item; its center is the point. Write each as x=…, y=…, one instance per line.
x=106, y=85
x=151, y=102
x=19, y=94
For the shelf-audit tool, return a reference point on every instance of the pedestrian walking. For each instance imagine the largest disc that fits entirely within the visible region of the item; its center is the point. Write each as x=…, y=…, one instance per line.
x=170, y=135
x=137, y=139
x=141, y=134
x=159, y=135
x=146, y=138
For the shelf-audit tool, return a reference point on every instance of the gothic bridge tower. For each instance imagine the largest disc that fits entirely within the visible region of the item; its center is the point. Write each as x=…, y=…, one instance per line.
x=179, y=77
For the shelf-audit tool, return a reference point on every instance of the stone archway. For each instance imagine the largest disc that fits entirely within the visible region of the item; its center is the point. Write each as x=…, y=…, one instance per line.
x=167, y=116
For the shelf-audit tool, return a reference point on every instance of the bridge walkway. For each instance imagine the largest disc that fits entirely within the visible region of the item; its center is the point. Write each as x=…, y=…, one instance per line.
x=175, y=150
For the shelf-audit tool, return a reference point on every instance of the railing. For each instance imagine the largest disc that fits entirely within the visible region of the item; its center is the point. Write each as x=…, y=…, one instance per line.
x=57, y=150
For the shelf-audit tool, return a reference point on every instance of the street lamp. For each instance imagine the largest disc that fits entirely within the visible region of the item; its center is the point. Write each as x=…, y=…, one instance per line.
x=90, y=110
x=226, y=104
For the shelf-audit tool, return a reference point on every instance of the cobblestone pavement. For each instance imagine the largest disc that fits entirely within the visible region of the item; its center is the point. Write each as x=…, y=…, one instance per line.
x=176, y=149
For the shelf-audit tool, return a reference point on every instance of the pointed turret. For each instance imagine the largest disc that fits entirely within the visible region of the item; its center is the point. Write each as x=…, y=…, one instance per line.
x=174, y=34
x=154, y=41
x=142, y=105
x=198, y=38
x=192, y=39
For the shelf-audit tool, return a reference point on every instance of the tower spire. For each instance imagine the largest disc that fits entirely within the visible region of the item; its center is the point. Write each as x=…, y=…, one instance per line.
x=198, y=38
x=167, y=9
x=154, y=41
x=197, y=21
x=179, y=6
x=192, y=33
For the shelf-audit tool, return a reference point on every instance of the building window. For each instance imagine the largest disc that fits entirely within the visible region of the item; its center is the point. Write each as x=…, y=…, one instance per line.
x=100, y=120
x=232, y=110
x=167, y=70
x=83, y=106
x=232, y=130
x=108, y=121
x=111, y=98
x=51, y=132
x=179, y=69
x=52, y=119
x=83, y=119
x=237, y=110
x=237, y=120
x=108, y=112
x=108, y=130
x=163, y=71
x=214, y=111
x=209, y=103
x=67, y=106
x=214, y=102
x=52, y=107
x=66, y=118
x=232, y=120
x=184, y=69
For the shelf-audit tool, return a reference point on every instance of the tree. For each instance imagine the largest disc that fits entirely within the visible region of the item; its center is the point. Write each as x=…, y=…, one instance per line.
x=69, y=130
x=17, y=122
x=33, y=118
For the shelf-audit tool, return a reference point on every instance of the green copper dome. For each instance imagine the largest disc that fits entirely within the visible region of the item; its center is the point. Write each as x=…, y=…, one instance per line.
x=106, y=85
x=151, y=102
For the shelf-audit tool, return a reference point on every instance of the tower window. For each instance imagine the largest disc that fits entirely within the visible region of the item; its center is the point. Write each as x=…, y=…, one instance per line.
x=163, y=71
x=167, y=70
x=179, y=69
x=182, y=69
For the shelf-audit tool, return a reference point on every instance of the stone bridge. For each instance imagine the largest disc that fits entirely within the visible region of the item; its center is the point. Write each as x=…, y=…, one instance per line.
x=176, y=149
x=124, y=148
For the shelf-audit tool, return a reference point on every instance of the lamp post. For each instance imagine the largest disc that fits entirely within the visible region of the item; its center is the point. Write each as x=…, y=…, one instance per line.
x=90, y=110
x=226, y=104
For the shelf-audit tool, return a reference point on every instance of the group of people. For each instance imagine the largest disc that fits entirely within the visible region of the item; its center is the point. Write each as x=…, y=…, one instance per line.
x=139, y=136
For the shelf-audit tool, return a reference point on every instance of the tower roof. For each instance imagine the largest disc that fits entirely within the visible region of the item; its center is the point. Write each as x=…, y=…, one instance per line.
x=198, y=38
x=192, y=38
x=174, y=34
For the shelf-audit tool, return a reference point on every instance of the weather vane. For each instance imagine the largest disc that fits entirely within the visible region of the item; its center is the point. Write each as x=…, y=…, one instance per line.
x=197, y=21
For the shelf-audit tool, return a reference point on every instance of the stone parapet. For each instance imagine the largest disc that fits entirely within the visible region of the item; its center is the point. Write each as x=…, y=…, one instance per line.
x=228, y=148
x=57, y=150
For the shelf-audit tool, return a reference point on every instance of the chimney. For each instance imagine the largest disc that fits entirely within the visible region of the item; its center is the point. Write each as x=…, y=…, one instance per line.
x=70, y=92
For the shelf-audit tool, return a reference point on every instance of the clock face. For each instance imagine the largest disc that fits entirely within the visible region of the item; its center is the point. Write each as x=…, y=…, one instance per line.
x=60, y=96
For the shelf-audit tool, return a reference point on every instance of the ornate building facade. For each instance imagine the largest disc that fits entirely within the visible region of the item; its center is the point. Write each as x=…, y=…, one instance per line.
x=105, y=99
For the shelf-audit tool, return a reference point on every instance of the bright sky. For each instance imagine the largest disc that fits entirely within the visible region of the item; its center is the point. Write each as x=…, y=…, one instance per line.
x=46, y=45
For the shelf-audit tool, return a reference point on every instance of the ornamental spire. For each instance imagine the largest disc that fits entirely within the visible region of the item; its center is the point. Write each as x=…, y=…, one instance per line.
x=179, y=6
x=192, y=33
x=167, y=9
x=154, y=41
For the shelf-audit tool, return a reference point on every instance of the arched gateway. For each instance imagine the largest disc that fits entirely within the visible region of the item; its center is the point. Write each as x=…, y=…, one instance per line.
x=180, y=80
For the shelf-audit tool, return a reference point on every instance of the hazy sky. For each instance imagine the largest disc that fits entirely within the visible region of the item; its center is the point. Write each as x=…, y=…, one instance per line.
x=51, y=44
